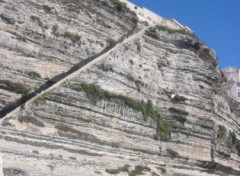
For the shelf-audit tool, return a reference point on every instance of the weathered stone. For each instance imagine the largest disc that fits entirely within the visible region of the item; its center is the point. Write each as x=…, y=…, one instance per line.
x=1, y=165
x=153, y=106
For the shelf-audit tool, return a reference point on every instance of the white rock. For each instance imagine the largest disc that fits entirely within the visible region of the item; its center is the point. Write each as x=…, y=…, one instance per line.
x=173, y=96
x=1, y=165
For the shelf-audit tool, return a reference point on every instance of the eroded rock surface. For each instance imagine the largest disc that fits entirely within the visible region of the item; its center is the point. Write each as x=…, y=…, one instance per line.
x=155, y=106
x=41, y=39
x=1, y=165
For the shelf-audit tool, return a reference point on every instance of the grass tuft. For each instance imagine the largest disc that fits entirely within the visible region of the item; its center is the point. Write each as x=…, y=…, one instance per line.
x=33, y=74
x=111, y=41
x=172, y=153
x=222, y=132
x=30, y=119
x=139, y=170
x=125, y=168
x=67, y=129
x=16, y=87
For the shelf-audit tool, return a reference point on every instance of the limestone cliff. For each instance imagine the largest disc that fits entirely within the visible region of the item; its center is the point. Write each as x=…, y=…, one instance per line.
x=1, y=169
x=155, y=104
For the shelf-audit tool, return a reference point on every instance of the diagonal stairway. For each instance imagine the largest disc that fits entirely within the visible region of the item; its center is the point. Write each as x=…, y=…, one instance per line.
x=73, y=72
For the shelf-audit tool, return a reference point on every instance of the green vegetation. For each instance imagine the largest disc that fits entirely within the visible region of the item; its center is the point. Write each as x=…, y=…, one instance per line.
x=47, y=8
x=41, y=98
x=130, y=77
x=233, y=143
x=35, y=152
x=135, y=19
x=214, y=62
x=7, y=19
x=34, y=18
x=121, y=6
x=126, y=47
x=37, y=20
x=67, y=129
x=229, y=139
x=21, y=38
x=111, y=41
x=174, y=110
x=172, y=153
x=191, y=43
x=125, y=168
x=105, y=68
x=72, y=36
x=16, y=87
x=95, y=93
x=30, y=119
x=163, y=130
x=59, y=99
x=179, y=98
x=138, y=83
x=55, y=30
x=24, y=96
x=222, y=132
x=139, y=170
x=33, y=74
x=131, y=61
x=163, y=170
x=146, y=23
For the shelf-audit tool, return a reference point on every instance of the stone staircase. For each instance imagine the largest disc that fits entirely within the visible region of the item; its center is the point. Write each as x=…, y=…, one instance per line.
x=72, y=73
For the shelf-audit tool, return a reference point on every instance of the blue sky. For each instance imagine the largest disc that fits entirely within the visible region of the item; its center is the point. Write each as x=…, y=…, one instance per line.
x=215, y=22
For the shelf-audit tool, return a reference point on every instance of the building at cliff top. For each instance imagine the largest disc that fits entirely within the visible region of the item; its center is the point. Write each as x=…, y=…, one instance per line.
x=153, y=18
x=233, y=81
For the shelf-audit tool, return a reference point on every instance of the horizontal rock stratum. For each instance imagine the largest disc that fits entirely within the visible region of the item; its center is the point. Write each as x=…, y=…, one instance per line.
x=87, y=89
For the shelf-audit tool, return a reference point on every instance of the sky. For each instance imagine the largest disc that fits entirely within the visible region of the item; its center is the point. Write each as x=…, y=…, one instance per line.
x=215, y=22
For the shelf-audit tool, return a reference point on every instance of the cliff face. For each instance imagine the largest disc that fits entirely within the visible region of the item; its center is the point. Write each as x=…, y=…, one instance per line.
x=42, y=39
x=1, y=169
x=156, y=105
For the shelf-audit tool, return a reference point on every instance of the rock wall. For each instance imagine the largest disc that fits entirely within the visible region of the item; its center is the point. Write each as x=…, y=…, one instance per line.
x=1, y=165
x=156, y=106
x=41, y=39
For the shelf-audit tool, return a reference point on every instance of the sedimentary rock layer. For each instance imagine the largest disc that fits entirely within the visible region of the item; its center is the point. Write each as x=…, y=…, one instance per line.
x=41, y=39
x=155, y=106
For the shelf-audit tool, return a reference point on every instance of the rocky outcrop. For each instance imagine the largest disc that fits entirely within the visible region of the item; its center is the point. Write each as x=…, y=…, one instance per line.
x=154, y=106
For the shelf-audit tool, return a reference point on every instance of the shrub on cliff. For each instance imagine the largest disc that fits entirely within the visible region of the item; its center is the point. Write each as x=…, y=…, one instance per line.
x=16, y=87
x=121, y=6
x=95, y=93
x=111, y=41
x=222, y=132
x=163, y=130
x=31, y=119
